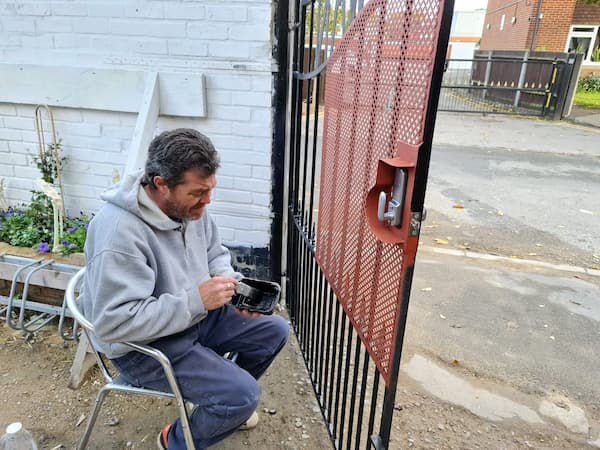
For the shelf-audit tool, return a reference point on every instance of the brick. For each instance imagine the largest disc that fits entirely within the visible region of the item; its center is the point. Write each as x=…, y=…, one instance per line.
x=226, y=13
x=262, y=83
x=19, y=123
x=69, y=9
x=182, y=11
x=118, y=132
x=261, y=199
x=72, y=40
x=153, y=10
x=91, y=25
x=262, y=50
x=16, y=196
x=7, y=171
x=253, y=158
x=250, y=32
x=227, y=234
x=8, y=109
x=229, y=82
x=251, y=99
x=36, y=42
x=79, y=129
x=238, y=113
x=260, y=15
x=232, y=196
x=17, y=159
x=104, y=117
x=264, y=116
x=187, y=47
x=261, y=186
x=53, y=25
x=224, y=182
x=253, y=238
x=147, y=28
x=215, y=97
x=235, y=170
x=28, y=9
x=65, y=114
x=105, y=9
x=208, y=31
x=240, y=50
x=26, y=148
x=19, y=24
x=29, y=173
x=261, y=172
x=250, y=129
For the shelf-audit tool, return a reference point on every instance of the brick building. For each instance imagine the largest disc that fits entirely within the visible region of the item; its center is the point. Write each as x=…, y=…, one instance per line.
x=544, y=25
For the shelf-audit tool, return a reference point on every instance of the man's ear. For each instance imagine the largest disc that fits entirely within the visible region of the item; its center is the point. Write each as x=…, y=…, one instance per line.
x=160, y=184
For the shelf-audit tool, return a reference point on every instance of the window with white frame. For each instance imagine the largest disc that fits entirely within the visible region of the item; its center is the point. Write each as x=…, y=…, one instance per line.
x=585, y=39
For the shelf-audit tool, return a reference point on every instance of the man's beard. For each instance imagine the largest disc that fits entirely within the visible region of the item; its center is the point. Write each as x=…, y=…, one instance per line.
x=176, y=211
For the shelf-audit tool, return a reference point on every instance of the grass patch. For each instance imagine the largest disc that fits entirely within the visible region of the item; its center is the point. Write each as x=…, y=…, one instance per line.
x=587, y=99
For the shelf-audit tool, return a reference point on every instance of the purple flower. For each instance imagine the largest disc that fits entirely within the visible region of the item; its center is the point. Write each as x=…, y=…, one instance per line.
x=43, y=247
x=71, y=229
x=65, y=242
x=86, y=225
x=72, y=246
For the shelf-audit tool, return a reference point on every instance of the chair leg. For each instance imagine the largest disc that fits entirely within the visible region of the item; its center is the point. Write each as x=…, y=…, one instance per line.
x=185, y=424
x=92, y=420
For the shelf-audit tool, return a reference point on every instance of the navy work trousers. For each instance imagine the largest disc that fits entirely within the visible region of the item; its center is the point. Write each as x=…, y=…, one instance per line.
x=226, y=393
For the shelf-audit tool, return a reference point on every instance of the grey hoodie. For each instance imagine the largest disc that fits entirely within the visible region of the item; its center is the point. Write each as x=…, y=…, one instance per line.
x=143, y=269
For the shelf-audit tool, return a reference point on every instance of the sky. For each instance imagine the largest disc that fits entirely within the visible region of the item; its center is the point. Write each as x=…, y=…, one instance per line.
x=469, y=5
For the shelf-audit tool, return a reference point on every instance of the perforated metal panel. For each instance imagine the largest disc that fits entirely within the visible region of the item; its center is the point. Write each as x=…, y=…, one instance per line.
x=377, y=91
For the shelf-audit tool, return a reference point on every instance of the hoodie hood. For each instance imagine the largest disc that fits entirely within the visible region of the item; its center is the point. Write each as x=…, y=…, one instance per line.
x=128, y=194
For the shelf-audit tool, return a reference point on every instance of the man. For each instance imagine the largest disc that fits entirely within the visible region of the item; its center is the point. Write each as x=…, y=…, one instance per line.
x=158, y=274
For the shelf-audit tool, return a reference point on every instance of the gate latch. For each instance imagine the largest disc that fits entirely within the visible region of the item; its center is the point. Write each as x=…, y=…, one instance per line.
x=395, y=207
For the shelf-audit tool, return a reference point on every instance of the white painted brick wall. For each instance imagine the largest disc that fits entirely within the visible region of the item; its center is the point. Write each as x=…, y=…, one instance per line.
x=229, y=43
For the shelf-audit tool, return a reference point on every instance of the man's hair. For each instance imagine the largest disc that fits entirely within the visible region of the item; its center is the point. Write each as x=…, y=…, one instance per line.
x=174, y=152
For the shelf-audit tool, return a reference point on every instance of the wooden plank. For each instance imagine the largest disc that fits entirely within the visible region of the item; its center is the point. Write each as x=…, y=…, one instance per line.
x=44, y=277
x=145, y=125
x=183, y=94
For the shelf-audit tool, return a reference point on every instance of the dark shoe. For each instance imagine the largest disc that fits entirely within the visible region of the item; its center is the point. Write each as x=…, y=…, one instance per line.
x=162, y=440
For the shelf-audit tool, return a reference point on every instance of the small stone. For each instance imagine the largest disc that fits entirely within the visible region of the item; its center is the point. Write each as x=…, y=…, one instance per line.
x=441, y=427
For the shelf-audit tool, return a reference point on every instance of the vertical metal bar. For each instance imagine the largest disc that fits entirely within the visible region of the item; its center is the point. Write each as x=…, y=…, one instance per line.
x=338, y=382
x=318, y=347
x=353, y=395
x=361, y=403
x=326, y=384
x=333, y=355
x=346, y=383
x=323, y=315
x=374, y=396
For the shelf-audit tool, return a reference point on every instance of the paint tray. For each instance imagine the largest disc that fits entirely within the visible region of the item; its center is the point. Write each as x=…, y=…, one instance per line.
x=256, y=295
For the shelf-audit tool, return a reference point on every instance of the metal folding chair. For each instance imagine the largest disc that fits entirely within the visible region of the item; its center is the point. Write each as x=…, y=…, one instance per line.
x=117, y=383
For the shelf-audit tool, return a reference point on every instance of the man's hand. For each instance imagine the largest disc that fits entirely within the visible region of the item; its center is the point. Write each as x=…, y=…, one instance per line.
x=217, y=291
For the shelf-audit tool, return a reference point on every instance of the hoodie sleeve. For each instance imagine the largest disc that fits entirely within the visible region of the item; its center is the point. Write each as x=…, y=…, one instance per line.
x=123, y=307
x=219, y=257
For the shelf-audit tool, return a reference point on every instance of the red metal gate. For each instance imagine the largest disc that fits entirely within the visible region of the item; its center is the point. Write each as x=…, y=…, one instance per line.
x=372, y=158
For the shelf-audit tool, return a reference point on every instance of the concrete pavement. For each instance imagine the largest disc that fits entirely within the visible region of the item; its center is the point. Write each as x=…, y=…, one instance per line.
x=526, y=325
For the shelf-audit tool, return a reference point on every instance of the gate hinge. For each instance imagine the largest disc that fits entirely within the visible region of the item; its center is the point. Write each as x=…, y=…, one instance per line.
x=416, y=218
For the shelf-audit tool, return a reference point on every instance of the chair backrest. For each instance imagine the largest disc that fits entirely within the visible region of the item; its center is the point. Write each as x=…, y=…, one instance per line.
x=72, y=301
x=88, y=327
